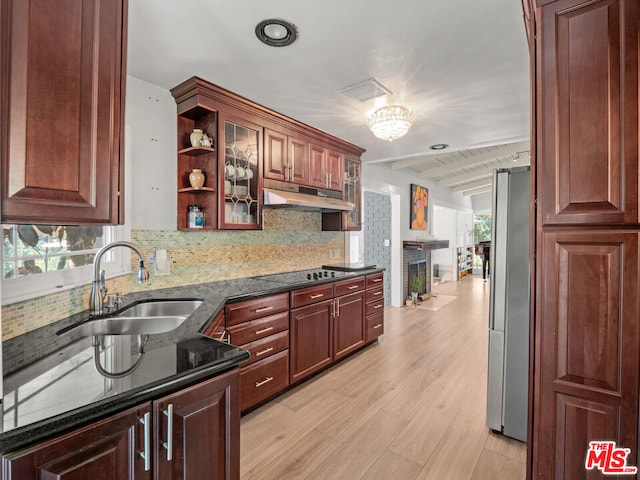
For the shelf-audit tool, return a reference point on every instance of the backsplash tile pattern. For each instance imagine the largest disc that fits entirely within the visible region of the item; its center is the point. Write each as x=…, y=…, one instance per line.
x=291, y=240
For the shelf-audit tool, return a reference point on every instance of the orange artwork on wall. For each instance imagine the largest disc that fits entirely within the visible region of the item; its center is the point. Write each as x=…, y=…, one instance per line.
x=419, y=206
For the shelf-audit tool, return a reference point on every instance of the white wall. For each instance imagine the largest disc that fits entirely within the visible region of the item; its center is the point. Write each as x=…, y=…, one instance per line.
x=482, y=204
x=151, y=123
x=381, y=178
x=444, y=219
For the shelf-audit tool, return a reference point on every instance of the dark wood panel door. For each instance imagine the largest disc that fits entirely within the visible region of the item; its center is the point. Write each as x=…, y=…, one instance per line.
x=335, y=166
x=275, y=155
x=311, y=333
x=588, y=343
x=298, y=161
x=348, y=324
x=197, y=431
x=587, y=91
x=62, y=110
x=317, y=166
x=106, y=450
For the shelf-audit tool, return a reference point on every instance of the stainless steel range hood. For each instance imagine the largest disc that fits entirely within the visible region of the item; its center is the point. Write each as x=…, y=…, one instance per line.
x=282, y=194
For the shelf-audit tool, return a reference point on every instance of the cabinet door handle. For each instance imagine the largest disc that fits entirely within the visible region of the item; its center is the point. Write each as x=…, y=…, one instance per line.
x=268, y=329
x=377, y=293
x=351, y=287
x=264, y=309
x=337, y=308
x=376, y=280
x=146, y=452
x=317, y=295
x=266, y=380
x=168, y=445
x=262, y=352
x=377, y=307
x=377, y=326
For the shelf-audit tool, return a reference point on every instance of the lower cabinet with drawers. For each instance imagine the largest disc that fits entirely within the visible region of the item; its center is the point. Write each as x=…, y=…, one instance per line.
x=261, y=326
x=295, y=334
x=374, y=307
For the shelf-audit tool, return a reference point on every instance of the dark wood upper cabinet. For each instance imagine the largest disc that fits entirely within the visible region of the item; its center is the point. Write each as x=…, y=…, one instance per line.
x=62, y=110
x=286, y=158
x=325, y=167
x=275, y=155
x=587, y=79
x=298, y=150
x=250, y=136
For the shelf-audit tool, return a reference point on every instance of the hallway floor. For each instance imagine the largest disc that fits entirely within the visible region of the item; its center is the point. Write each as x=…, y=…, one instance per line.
x=410, y=407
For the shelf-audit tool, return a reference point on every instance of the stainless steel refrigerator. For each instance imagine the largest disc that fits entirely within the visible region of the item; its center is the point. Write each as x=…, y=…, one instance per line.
x=509, y=304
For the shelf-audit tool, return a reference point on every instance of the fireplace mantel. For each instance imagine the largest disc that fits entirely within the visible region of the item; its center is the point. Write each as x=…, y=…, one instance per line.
x=424, y=245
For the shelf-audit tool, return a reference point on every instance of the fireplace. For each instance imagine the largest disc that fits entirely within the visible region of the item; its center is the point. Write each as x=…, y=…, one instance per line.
x=416, y=257
x=417, y=277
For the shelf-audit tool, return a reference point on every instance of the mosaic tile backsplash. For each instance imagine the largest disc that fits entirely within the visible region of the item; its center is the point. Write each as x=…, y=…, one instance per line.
x=291, y=240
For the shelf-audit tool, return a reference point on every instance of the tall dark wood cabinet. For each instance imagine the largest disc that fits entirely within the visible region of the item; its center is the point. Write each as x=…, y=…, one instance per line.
x=62, y=79
x=585, y=344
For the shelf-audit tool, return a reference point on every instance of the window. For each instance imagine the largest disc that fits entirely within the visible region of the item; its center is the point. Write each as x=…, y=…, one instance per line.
x=43, y=259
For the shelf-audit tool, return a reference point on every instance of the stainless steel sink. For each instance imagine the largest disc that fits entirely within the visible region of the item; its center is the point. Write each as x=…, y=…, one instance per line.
x=142, y=318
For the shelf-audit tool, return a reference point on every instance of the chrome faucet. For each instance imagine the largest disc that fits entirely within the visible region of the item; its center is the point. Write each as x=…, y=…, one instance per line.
x=98, y=288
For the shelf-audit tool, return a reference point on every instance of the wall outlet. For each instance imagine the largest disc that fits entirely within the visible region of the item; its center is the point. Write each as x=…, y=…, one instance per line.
x=161, y=263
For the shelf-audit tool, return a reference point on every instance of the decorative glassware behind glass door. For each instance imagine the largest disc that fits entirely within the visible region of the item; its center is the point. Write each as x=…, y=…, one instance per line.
x=240, y=174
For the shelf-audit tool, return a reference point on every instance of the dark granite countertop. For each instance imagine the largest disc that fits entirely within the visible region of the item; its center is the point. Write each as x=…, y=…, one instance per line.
x=51, y=384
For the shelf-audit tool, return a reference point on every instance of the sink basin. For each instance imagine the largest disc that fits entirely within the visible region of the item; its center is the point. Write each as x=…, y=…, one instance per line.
x=142, y=318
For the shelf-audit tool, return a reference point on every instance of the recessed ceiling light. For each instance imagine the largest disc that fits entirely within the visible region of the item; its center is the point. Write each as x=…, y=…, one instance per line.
x=276, y=32
x=439, y=146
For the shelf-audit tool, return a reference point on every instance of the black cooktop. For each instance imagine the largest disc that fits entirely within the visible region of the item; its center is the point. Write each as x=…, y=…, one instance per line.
x=315, y=275
x=349, y=267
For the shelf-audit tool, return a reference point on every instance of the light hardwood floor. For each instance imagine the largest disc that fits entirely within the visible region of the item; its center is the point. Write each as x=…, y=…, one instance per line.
x=410, y=407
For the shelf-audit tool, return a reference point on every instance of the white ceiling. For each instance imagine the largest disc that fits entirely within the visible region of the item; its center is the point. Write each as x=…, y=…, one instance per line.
x=461, y=65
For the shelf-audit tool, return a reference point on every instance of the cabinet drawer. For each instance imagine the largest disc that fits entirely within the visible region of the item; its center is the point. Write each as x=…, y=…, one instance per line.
x=309, y=295
x=259, y=307
x=216, y=328
x=265, y=347
x=375, y=326
x=375, y=279
x=254, y=330
x=372, y=308
x=344, y=287
x=263, y=379
x=375, y=294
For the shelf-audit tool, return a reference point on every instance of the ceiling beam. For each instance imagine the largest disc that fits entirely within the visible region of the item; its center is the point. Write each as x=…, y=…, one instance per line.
x=444, y=170
x=411, y=161
x=477, y=191
x=466, y=177
x=481, y=182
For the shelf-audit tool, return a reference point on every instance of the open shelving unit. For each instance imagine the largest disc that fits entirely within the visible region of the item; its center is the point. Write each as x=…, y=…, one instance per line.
x=204, y=158
x=465, y=261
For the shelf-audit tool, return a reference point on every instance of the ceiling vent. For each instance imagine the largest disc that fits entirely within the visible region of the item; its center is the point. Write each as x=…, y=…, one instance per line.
x=365, y=90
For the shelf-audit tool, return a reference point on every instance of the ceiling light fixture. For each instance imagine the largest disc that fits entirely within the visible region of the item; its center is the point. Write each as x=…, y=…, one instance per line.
x=276, y=32
x=391, y=122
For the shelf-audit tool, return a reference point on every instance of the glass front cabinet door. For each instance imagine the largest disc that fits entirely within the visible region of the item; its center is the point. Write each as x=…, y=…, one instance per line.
x=240, y=205
x=352, y=194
